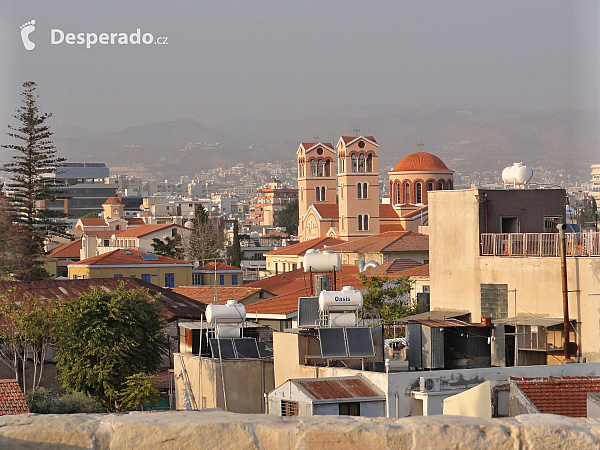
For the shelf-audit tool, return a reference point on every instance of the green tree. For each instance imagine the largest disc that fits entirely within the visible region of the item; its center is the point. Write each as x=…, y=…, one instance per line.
x=170, y=247
x=588, y=214
x=29, y=182
x=140, y=388
x=236, y=249
x=91, y=215
x=289, y=217
x=16, y=255
x=203, y=243
x=386, y=296
x=106, y=337
x=26, y=334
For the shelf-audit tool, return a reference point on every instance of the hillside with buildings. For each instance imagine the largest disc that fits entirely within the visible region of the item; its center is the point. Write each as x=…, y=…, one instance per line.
x=475, y=140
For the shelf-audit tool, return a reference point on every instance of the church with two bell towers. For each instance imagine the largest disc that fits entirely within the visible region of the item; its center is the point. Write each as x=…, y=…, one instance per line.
x=338, y=189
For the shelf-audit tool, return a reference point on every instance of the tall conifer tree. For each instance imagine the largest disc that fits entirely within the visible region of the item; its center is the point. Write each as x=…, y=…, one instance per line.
x=29, y=183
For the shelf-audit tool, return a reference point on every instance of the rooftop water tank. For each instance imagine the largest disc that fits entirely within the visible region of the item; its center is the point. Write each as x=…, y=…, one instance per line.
x=325, y=261
x=231, y=312
x=518, y=174
x=348, y=299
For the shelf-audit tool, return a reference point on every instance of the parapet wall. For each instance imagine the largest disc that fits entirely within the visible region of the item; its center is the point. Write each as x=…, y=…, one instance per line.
x=218, y=429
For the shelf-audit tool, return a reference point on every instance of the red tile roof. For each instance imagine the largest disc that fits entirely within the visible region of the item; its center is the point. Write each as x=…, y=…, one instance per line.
x=206, y=294
x=309, y=145
x=220, y=267
x=421, y=162
x=297, y=281
x=348, y=139
x=93, y=222
x=113, y=201
x=120, y=257
x=327, y=211
x=387, y=211
x=300, y=248
x=281, y=305
x=566, y=396
x=134, y=221
x=395, y=267
x=143, y=230
x=176, y=305
x=416, y=212
x=338, y=388
x=390, y=241
x=68, y=250
x=12, y=400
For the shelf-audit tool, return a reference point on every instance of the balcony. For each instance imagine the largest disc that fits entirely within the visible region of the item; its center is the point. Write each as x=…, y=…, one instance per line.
x=539, y=244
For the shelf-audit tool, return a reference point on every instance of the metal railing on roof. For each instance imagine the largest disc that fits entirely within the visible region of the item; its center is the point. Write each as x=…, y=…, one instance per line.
x=539, y=244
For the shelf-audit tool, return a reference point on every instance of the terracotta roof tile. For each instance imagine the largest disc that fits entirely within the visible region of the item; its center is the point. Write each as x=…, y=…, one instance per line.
x=113, y=201
x=387, y=211
x=566, y=396
x=143, y=230
x=300, y=248
x=348, y=139
x=220, y=267
x=327, y=210
x=93, y=222
x=134, y=221
x=12, y=400
x=393, y=267
x=126, y=257
x=68, y=250
x=421, y=162
x=297, y=281
x=206, y=294
x=176, y=305
x=282, y=304
x=390, y=241
x=416, y=212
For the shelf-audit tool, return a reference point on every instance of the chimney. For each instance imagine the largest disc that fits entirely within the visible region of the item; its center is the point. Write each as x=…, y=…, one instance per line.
x=119, y=196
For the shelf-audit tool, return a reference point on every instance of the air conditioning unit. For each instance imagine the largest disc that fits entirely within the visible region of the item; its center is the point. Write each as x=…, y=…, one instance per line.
x=429, y=384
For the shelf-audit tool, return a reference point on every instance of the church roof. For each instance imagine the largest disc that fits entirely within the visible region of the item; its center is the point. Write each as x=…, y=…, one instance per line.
x=421, y=162
x=327, y=210
x=113, y=201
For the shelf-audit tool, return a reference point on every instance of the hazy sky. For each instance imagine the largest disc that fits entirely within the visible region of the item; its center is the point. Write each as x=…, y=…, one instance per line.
x=286, y=60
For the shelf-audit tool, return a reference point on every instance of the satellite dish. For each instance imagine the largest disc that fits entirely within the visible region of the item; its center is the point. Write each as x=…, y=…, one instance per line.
x=196, y=265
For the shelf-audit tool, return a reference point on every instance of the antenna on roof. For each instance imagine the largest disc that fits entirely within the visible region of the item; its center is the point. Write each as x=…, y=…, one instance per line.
x=420, y=144
x=357, y=131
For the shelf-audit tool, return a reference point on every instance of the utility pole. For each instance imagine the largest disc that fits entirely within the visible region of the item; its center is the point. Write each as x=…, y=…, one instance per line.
x=565, y=293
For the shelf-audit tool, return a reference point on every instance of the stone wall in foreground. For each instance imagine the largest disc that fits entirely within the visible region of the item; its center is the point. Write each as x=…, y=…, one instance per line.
x=218, y=429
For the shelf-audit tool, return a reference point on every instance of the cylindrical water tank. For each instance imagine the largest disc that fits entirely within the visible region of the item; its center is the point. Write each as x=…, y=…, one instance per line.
x=517, y=174
x=325, y=261
x=345, y=300
x=231, y=312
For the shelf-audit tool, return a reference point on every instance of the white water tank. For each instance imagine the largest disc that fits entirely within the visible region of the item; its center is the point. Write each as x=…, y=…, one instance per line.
x=518, y=174
x=348, y=299
x=231, y=312
x=322, y=261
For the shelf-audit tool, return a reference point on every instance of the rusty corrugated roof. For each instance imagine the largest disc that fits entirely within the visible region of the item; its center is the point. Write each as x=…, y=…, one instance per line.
x=176, y=305
x=338, y=388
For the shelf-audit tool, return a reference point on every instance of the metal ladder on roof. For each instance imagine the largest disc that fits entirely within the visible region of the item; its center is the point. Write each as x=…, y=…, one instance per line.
x=189, y=402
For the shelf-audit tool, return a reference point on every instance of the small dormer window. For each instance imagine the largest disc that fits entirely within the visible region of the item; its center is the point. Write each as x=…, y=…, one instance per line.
x=115, y=211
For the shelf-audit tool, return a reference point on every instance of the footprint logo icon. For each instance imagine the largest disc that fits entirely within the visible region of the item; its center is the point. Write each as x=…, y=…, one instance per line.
x=26, y=30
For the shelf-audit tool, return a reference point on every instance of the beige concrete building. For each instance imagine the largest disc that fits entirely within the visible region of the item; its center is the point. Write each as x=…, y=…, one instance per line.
x=496, y=254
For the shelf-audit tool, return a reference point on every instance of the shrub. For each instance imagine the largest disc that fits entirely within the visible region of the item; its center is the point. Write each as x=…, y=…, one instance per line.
x=39, y=400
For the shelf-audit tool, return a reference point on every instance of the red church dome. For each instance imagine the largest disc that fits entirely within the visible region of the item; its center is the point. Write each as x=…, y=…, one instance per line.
x=421, y=162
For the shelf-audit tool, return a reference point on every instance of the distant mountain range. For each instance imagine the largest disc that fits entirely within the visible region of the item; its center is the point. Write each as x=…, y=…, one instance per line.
x=467, y=140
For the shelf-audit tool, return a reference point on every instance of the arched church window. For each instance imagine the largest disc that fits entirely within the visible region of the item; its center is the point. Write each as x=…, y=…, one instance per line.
x=441, y=185
x=361, y=163
x=407, y=193
x=397, y=192
x=419, y=192
x=328, y=168
x=430, y=186
x=313, y=168
x=354, y=162
x=370, y=163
